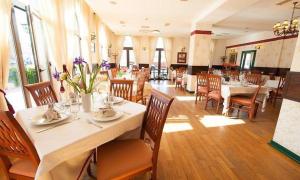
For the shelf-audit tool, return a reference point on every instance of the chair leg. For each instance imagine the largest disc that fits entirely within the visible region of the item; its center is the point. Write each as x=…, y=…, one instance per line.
x=196, y=98
x=218, y=105
x=206, y=102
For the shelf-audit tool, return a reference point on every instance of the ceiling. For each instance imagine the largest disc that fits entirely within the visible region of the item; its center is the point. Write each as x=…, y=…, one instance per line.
x=261, y=16
x=175, y=17
x=156, y=14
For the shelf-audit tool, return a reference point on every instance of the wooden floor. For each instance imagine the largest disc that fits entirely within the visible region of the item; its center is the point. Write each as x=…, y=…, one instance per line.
x=199, y=144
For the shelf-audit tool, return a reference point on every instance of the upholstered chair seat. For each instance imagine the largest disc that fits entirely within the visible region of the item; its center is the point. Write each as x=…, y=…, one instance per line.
x=119, y=157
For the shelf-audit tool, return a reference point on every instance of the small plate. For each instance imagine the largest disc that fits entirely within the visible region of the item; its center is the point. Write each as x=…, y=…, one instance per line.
x=39, y=120
x=111, y=118
x=118, y=100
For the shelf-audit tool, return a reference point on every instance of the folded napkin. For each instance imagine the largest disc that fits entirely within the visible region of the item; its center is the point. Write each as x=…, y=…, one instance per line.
x=51, y=114
x=105, y=112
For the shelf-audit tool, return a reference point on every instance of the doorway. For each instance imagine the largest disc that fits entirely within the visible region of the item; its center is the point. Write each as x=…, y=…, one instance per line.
x=248, y=60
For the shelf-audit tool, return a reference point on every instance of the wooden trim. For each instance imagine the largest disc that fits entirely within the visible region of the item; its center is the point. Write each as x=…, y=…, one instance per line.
x=201, y=32
x=262, y=41
x=291, y=89
x=285, y=151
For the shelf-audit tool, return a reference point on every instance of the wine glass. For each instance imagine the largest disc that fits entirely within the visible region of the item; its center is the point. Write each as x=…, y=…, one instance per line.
x=75, y=108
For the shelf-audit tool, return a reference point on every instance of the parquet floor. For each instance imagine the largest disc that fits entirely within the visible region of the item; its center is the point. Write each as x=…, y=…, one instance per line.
x=199, y=144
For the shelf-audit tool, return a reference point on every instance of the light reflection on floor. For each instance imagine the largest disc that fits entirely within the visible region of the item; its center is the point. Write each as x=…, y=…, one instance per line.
x=176, y=127
x=219, y=121
x=185, y=98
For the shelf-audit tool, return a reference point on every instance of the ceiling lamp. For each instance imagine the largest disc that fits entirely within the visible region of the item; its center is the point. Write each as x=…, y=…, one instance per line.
x=287, y=27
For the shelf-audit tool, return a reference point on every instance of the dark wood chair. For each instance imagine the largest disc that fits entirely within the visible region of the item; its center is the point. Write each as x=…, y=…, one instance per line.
x=245, y=103
x=277, y=93
x=121, y=88
x=125, y=159
x=42, y=93
x=253, y=78
x=235, y=75
x=214, y=90
x=14, y=143
x=202, y=86
x=139, y=96
x=112, y=73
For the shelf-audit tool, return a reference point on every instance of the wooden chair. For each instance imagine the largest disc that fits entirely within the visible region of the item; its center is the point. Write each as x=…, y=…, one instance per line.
x=202, y=86
x=249, y=103
x=234, y=74
x=179, y=78
x=112, y=73
x=14, y=143
x=253, y=78
x=125, y=159
x=42, y=93
x=146, y=72
x=121, y=88
x=214, y=90
x=139, y=96
x=277, y=93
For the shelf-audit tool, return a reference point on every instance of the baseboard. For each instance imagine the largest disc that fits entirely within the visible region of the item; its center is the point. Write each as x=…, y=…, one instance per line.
x=285, y=151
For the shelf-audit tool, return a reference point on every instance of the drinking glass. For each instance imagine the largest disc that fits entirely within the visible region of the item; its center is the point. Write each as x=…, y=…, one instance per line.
x=75, y=108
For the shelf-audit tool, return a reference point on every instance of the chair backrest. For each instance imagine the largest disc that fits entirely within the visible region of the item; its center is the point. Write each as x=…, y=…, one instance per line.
x=42, y=93
x=112, y=73
x=281, y=83
x=255, y=95
x=121, y=88
x=154, y=120
x=179, y=72
x=214, y=83
x=234, y=74
x=13, y=140
x=253, y=78
x=140, y=88
x=202, y=80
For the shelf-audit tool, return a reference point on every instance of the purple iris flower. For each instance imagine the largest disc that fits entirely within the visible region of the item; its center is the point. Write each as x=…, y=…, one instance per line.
x=105, y=64
x=79, y=61
x=56, y=75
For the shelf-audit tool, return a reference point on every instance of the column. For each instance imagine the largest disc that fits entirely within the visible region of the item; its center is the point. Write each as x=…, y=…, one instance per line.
x=200, y=55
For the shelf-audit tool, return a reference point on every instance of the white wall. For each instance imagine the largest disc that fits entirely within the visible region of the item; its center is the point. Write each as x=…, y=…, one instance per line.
x=288, y=124
x=219, y=51
x=277, y=53
x=178, y=44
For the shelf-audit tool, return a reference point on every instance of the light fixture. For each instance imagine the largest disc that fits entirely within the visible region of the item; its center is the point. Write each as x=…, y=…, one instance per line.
x=287, y=27
x=167, y=24
x=156, y=31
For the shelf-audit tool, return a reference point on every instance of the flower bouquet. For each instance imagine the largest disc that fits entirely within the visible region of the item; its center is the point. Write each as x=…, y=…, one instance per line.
x=81, y=82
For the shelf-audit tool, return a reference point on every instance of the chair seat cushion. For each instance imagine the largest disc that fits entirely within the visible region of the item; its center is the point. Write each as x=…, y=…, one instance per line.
x=117, y=158
x=243, y=100
x=24, y=168
x=202, y=89
x=214, y=94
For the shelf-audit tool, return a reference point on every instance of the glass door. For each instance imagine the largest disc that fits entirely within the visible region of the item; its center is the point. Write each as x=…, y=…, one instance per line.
x=248, y=59
x=29, y=49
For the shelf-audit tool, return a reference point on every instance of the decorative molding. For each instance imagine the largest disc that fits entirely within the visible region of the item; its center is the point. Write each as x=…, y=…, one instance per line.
x=201, y=32
x=193, y=70
x=291, y=89
x=262, y=41
x=285, y=151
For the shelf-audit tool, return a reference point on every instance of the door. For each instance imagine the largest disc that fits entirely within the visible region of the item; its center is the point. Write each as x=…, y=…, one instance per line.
x=159, y=71
x=30, y=48
x=248, y=60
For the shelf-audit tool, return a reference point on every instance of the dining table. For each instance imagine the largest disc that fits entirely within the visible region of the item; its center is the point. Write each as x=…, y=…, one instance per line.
x=233, y=88
x=63, y=148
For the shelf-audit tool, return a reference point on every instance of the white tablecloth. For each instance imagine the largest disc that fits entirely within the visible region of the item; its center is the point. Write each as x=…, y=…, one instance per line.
x=71, y=140
x=230, y=90
x=272, y=84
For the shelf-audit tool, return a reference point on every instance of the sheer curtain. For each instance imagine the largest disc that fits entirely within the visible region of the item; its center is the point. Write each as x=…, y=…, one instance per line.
x=136, y=49
x=5, y=13
x=168, y=50
x=153, y=43
x=120, y=41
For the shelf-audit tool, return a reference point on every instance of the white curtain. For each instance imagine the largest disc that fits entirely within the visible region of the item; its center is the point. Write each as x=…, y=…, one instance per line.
x=120, y=42
x=168, y=50
x=153, y=43
x=5, y=13
x=136, y=49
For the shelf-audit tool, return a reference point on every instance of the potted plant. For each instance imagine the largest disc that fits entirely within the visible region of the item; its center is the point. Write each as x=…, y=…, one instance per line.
x=82, y=82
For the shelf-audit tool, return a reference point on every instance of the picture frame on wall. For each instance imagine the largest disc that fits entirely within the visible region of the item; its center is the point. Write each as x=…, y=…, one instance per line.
x=233, y=57
x=181, y=57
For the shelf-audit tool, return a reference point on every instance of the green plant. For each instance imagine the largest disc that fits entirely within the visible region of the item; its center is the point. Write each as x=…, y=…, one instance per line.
x=31, y=75
x=13, y=76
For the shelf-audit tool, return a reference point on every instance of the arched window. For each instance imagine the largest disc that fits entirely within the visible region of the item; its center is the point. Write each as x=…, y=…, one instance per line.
x=127, y=56
x=159, y=61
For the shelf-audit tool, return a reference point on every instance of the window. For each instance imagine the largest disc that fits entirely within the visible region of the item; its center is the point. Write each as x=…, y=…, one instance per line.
x=248, y=59
x=127, y=56
x=159, y=62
